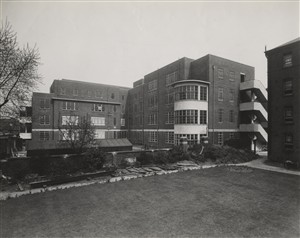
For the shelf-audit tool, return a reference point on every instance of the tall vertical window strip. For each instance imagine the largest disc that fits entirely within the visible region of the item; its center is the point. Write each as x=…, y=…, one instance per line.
x=287, y=60
x=186, y=117
x=171, y=78
x=231, y=95
x=231, y=76
x=220, y=138
x=152, y=119
x=75, y=92
x=220, y=94
x=170, y=118
x=152, y=100
x=152, y=85
x=203, y=117
x=203, y=93
x=288, y=87
x=221, y=111
x=186, y=92
x=220, y=73
x=231, y=116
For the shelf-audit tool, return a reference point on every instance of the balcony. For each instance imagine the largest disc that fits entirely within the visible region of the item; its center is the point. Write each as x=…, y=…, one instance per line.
x=255, y=128
x=257, y=87
x=260, y=111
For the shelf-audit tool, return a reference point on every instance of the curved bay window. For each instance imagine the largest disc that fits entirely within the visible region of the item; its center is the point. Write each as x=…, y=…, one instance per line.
x=186, y=117
x=186, y=92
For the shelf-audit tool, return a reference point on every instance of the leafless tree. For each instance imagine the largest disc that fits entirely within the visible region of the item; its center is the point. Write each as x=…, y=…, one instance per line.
x=18, y=72
x=78, y=133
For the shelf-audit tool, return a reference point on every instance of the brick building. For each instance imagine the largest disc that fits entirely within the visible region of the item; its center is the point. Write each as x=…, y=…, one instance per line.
x=284, y=101
x=72, y=100
x=210, y=97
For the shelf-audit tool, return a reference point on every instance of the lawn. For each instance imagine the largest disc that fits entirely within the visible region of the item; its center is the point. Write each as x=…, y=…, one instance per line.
x=217, y=202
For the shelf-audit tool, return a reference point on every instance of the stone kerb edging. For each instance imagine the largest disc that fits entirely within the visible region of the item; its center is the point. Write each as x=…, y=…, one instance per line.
x=9, y=195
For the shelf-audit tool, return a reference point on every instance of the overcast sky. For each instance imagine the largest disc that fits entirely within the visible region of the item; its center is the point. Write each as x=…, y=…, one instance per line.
x=119, y=42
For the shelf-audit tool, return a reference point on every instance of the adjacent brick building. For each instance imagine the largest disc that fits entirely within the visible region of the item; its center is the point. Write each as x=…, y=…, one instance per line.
x=284, y=101
x=72, y=100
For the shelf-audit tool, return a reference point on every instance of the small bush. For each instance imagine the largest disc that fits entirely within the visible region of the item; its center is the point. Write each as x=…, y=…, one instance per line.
x=93, y=159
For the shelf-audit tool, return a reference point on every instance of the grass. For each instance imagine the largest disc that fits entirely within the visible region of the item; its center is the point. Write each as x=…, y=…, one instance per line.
x=216, y=202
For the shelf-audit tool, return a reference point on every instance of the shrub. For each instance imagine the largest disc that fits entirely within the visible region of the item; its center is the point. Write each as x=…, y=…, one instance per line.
x=241, y=143
x=93, y=159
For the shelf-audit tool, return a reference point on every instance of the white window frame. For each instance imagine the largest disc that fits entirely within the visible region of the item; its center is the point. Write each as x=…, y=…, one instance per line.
x=98, y=121
x=65, y=120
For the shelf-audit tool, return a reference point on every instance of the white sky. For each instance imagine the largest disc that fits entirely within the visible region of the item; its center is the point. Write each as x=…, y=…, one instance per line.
x=119, y=42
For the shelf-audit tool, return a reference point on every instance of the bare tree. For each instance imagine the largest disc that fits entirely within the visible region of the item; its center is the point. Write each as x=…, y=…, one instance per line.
x=18, y=72
x=78, y=133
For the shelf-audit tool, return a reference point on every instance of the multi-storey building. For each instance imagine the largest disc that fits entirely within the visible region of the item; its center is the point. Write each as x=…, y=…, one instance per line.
x=71, y=100
x=210, y=97
x=284, y=102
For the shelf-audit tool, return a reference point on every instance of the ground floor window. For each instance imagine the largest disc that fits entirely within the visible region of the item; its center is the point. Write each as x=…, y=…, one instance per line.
x=288, y=141
x=153, y=136
x=99, y=134
x=220, y=138
x=169, y=137
x=44, y=135
x=191, y=138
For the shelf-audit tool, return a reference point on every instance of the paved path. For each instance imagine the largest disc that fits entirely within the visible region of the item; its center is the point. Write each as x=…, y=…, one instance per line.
x=260, y=164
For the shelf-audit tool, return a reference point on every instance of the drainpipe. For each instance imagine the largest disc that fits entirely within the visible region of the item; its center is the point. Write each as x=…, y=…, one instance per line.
x=213, y=106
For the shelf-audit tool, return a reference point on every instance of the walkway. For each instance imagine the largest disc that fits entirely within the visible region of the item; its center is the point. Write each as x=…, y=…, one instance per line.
x=271, y=166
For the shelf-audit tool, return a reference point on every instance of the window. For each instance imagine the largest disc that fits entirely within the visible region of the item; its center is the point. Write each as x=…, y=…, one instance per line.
x=152, y=85
x=191, y=138
x=123, y=97
x=69, y=105
x=44, y=119
x=89, y=93
x=186, y=117
x=288, y=87
x=152, y=119
x=169, y=137
x=170, y=118
x=220, y=138
x=203, y=117
x=231, y=135
x=45, y=103
x=220, y=115
x=75, y=92
x=112, y=96
x=44, y=135
x=171, y=78
x=153, y=136
x=220, y=73
x=135, y=108
x=287, y=60
x=288, y=115
x=186, y=92
x=99, y=134
x=203, y=93
x=115, y=121
x=288, y=141
x=243, y=77
x=170, y=98
x=69, y=135
x=98, y=94
x=122, y=121
x=115, y=108
x=62, y=91
x=135, y=96
x=231, y=76
x=98, y=121
x=231, y=95
x=220, y=94
x=69, y=120
x=98, y=108
x=231, y=116
x=152, y=100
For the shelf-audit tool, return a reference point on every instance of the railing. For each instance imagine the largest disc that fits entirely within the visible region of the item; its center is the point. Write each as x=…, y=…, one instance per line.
x=254, y=106
x=255, y=128
x=258, y=86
